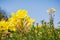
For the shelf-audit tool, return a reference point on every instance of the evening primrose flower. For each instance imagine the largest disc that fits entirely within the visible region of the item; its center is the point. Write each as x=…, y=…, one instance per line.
x=28, y=19
x=28, y=25
x=3, y=25
x=13, y=17
x=12, y=27
x=31, y=21
x=12, y=24
x=21, y=13
x=16, y=20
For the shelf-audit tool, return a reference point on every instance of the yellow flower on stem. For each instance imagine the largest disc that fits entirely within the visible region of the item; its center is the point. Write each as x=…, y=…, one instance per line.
x=13, y=14
x=12, y=27
x=21, y=13
x=28, y=19
x=13, y=17
x=29, y=22
x=3, y=25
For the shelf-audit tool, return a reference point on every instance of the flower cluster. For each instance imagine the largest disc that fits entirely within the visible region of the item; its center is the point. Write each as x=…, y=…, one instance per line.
x=52, y=10
x=16, y=21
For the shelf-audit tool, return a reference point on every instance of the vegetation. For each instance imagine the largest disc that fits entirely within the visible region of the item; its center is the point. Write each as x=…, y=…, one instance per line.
x=3, y=15
x=21, y=27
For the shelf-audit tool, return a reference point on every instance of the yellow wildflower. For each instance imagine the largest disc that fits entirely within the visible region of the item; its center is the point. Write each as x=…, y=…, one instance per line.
x=12, y=27
x=3, y=25
x=28, y=25
x=31, y=20
x=28, y=19
x=21, y=13
x=13, y=15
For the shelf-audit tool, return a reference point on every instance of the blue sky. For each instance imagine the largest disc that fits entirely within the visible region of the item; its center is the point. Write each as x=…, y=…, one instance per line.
x=36, y=8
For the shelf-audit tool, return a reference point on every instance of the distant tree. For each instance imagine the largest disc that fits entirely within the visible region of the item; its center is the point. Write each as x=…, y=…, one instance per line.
x=59, y=24
x=3, y=15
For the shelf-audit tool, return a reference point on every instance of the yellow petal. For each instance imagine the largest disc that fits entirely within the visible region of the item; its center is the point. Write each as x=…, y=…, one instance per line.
x=21, y=13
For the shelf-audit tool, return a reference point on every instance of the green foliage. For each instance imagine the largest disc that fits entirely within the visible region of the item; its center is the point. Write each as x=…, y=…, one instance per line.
x=42, y=33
